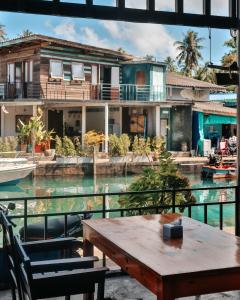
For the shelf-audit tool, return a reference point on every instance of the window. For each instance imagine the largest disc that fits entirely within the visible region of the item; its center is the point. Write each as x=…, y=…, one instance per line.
x=30, y=71
x=67, y=71
x=115, y=76
x=78, y=71
x=56, y=69
x=10, y=73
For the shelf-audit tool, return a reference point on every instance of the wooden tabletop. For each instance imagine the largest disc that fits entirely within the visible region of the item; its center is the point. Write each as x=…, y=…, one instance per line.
x=206, y=260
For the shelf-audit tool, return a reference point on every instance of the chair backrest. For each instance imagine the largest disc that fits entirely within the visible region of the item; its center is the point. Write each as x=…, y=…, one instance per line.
x=24, y=267
x=8, y=245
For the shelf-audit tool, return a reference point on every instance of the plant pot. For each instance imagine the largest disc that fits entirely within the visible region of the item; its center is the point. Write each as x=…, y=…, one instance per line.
x=38, y=148
x=118, y=159
x=84, y=160
x=23, y=147
x=29, y=148
x=142, y=159
x=66, y=160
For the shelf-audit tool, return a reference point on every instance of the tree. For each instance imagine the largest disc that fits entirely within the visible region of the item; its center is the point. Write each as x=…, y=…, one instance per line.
x=205, y=73
x=3, y=35
x=231, y=56
x=149, y=57
x=189, y=52
x=165, y=177
x=25, y=33
x=171, y=64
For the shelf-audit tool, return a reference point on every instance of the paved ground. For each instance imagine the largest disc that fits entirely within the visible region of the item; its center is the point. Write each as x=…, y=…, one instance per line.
x=124, y=288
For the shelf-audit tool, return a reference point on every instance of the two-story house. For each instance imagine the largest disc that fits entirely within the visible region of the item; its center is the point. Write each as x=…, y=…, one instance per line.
x=82, y=88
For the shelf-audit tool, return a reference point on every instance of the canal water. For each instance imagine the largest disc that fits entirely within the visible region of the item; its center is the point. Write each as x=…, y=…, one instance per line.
x=52, y=186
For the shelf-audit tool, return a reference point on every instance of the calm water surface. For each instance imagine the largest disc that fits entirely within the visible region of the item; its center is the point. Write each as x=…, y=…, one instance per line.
x=49, y=186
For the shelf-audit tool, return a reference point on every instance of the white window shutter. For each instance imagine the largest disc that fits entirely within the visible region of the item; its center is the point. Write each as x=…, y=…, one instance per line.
x=31, y=71
x=11, y=73
x=115, y=76
x=56, y=69
x=78, y=71
x=94, y=75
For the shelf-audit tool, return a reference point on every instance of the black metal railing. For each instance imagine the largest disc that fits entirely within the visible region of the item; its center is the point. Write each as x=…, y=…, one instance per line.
x=104, y=211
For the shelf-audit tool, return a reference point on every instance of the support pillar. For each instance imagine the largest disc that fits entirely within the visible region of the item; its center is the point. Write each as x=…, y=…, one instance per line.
x=106, y=127
x=34, y=113
x=158, y=129
x=84, y=113
x=120, y=120
x=237, y=194
x=2, y=123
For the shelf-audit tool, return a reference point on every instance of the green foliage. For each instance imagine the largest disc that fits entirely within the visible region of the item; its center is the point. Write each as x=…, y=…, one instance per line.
x=158, y=146
x=119, y=146
x=78, y=146
x=8, y=144
x=68, y=147
x=59, y=146
x=166, y=176
x=141, y=146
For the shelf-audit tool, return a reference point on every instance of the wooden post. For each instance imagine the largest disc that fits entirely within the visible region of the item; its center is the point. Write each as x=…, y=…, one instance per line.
x=237, y=225
x=83, y=123
x=106, y=127
x=2, y=122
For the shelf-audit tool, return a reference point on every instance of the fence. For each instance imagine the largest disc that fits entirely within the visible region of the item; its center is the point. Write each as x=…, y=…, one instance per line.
x=105, y=211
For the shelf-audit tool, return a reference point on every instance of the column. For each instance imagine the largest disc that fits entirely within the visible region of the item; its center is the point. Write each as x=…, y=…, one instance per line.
x=158, y=129
x=2, y=122
x=106, y=127
x=83, y=123
x=34, y=110
x=120, y=120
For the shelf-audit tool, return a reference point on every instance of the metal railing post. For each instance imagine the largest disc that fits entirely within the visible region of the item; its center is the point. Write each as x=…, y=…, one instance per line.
x=173, y=201
x=25, y=220
x=104, y=207
x=237, y=211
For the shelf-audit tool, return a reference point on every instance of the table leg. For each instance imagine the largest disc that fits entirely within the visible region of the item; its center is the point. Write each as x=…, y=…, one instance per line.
x=88, y=251
x=165, y=291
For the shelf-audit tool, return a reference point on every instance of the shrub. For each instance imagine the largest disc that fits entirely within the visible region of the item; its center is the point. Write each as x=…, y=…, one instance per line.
x=68, y=147
x=119, y=146
x=165, y=176
x=59, y=146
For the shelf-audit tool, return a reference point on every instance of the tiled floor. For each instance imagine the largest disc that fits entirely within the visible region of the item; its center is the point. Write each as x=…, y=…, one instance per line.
x=125, y=288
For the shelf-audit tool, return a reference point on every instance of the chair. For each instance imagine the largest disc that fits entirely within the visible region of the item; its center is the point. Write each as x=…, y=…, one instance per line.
x=47, y=279
x=36, y=250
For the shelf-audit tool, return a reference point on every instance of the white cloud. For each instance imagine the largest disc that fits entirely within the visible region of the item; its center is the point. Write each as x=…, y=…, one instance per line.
x=143, y=38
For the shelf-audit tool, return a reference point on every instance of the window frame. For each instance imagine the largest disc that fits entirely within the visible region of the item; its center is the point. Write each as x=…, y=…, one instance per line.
x=50, y=68
x=78, y=78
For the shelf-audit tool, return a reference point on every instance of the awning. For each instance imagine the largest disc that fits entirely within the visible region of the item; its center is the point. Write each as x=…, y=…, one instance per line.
x=216, y=119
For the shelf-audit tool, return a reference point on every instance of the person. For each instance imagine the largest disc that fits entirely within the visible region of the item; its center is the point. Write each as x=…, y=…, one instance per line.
x=232, y=142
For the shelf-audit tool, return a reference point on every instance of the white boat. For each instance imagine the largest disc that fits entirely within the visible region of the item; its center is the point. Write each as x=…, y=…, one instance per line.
x=12, y=173
x=13, y=161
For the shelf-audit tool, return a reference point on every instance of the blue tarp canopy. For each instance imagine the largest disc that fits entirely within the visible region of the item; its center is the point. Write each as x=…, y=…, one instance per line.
x=216, y=119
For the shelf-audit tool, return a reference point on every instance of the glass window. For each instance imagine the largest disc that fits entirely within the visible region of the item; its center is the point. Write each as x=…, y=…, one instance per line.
x=56, y=69
x=78, y=71
x=26, y=72
x=10, y=73
x=67, y=72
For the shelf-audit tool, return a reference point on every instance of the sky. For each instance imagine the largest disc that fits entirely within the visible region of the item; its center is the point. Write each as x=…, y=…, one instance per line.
x=137, y=39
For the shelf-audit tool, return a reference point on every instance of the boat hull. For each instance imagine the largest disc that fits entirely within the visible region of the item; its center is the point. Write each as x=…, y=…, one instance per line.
x=218, y=172
x=11, y=175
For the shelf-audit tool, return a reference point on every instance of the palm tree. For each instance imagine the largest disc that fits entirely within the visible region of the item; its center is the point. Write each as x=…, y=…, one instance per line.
x=171, y=65
x=3, y=35
x=25, y=33
x=205, y=73
x=189, y=52
x=231, y=56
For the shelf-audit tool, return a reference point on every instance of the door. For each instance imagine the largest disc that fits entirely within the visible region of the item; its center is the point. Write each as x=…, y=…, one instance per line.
x=18, y=79
x=55, y=121
x=106, y=83
x=142, y=91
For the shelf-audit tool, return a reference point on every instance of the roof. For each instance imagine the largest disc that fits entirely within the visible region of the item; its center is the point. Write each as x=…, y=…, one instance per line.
x=215, y=108
x=43, y=38
x=224, y=97
x=178, y=80
x=137, y=61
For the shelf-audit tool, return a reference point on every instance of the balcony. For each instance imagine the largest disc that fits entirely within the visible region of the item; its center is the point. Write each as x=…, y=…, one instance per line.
x=83, y=91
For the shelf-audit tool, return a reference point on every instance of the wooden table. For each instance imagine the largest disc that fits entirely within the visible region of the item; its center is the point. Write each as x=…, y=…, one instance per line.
x=206, y=260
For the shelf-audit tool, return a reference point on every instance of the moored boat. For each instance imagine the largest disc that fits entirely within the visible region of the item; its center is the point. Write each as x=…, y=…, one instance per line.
x=12, y=174
x=221, y=171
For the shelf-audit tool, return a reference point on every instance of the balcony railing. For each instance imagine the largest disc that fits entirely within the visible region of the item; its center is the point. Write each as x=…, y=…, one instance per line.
x=76, y=91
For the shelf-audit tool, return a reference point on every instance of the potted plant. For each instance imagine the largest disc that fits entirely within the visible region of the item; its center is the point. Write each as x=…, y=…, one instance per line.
x=65, y=151
x=158, y=146
x=141, y=149
x=23, y=135
x=119, y=147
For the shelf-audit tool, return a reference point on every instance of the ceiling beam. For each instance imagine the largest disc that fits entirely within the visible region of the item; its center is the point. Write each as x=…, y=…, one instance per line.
x=121, y=13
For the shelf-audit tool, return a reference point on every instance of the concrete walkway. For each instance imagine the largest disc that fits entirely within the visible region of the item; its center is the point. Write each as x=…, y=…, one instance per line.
x=125, y=288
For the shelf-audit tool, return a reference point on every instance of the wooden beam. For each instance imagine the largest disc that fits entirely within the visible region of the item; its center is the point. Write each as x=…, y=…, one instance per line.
x=179, y=7
x=207, y=7
x=66, y=9
x=120, y=3
x=151, y=5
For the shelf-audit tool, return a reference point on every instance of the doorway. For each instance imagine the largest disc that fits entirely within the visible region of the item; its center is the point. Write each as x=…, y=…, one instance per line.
x=55, y=121
x=18, y=79
x=105, y=79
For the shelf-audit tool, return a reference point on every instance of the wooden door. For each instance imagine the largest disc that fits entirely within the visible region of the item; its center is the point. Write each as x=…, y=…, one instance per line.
x=140, y=78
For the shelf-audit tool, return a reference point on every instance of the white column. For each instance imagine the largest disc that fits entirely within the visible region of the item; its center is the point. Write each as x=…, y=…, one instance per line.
x=83, y=123
x=120, y=119
x=2, y=123
x=158, y=129
x=106, y=127
x=34, y=112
